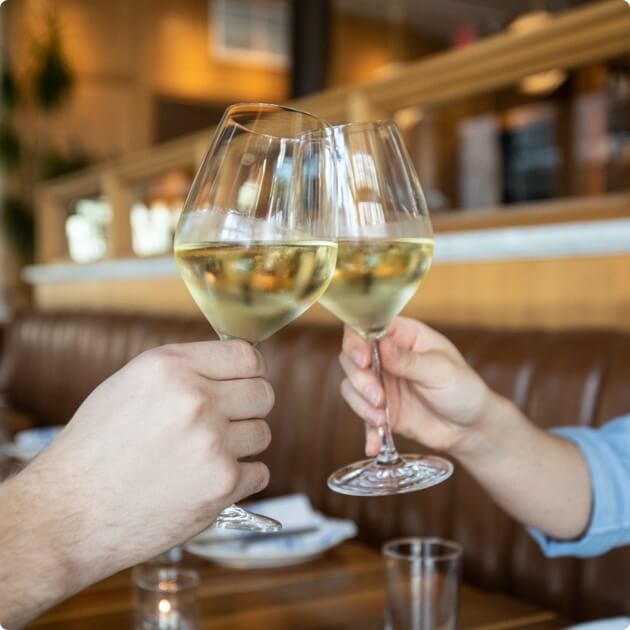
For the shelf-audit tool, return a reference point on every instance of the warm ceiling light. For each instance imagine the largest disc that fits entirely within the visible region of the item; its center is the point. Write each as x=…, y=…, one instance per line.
x=408, y=117
x=389, y=69
x=541, y=82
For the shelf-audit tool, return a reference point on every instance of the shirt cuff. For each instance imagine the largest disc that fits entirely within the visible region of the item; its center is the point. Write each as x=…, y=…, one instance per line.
x=602, y=533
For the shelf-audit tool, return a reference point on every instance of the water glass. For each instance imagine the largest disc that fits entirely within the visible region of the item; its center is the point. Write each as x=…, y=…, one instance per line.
x=166, y=598
x=422, y=579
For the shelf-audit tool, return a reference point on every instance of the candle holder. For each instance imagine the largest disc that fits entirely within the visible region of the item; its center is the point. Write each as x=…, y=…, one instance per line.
x=166, y=598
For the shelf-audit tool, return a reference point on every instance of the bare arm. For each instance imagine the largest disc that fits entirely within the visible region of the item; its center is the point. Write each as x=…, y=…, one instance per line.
x=438, y=400
x=540, y=479
x=147, y=462
x=37, y=565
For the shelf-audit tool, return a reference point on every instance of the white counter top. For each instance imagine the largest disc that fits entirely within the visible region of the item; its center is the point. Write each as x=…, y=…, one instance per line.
x=566, y=240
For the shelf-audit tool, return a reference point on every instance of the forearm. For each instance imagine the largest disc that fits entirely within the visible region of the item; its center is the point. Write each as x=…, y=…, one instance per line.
x=37, y=557
x=540, y=479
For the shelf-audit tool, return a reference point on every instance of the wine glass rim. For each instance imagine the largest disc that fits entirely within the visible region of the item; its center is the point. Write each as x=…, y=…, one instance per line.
x=273, y=106
x=369, y=125
x=450, y=548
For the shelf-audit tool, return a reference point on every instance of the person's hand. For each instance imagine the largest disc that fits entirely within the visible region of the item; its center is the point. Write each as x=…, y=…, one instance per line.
x=152, y=455
x=433, y=395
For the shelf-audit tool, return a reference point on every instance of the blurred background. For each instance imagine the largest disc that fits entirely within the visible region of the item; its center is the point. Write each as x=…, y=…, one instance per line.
x=502, y=107
x=517, y=118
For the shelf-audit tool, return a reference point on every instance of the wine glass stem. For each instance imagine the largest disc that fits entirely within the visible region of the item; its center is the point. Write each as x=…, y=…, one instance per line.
x=387, y=454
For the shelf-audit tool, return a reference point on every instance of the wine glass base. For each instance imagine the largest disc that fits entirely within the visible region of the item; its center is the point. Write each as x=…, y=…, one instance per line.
x=411, y=473
x=235, y=517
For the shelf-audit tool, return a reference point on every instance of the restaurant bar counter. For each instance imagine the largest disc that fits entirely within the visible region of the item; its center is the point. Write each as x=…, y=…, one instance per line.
x=51, y=361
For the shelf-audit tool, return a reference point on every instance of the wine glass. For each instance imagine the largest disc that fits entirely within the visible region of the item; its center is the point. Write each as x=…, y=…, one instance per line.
x=252, y=243
x=385, y=247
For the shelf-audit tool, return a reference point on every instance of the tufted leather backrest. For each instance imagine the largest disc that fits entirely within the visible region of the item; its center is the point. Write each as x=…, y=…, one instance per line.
x=52, y=361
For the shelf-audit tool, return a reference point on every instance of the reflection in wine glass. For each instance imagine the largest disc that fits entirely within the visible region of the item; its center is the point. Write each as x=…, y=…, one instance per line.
x=253, y=243
x=385, y=247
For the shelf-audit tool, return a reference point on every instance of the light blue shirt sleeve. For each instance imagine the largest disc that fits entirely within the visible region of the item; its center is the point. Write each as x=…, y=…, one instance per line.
x=607, y=452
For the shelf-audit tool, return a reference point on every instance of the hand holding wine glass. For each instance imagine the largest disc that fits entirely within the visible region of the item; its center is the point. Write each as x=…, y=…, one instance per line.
x=433, y=396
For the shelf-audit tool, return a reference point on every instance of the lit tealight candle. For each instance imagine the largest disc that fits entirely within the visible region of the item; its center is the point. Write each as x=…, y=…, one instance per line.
x=168, y=618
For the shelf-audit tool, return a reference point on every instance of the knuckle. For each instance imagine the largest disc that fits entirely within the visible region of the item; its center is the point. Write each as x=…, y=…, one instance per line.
x=346, y=388
x=354, y=400
x=442, y=363
x=268, y=396
x=344, y=362
x=262, y=434
x=228, y=478
x=347, y=342
x=248, y=356
x=260, y=396
x=443, y=368
x=262, y=477
x=408, y=359
x=162, y=361
x=194, y=401
x=214, y=442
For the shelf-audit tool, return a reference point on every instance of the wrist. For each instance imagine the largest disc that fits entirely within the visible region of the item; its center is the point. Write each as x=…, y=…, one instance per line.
x=62, y=518
x=489, y=436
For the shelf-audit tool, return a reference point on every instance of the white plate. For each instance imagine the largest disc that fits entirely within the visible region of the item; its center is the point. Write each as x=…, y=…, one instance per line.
x=294, y=512
x=239, y=560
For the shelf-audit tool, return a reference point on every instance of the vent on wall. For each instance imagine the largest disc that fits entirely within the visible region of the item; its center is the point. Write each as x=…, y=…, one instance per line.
x=251, y=31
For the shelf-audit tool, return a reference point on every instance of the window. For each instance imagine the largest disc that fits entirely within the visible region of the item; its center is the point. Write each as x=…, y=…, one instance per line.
x=86, y=230
x=251, y=31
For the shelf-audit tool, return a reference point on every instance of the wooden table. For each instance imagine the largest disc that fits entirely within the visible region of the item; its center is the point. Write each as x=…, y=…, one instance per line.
x=342, y=590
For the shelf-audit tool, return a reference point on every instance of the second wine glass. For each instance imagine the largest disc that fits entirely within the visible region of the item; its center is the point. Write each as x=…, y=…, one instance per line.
x=385, y=247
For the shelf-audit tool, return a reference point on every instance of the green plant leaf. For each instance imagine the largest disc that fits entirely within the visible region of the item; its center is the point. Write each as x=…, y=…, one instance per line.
x=52, y=78
x=9, y=146
x=9, y=93
x=18, y=223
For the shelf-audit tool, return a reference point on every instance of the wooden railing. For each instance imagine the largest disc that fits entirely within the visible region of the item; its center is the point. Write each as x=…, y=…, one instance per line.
x=586, y=35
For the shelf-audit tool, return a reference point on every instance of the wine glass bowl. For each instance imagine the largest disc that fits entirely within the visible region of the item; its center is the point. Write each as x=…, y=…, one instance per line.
x=385, y=247
x=253, y=242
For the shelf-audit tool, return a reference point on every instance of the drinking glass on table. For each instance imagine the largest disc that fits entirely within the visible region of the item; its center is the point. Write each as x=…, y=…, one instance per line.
x=165, y=598
x=253, y=243
x=385, y=246
x=422, y=579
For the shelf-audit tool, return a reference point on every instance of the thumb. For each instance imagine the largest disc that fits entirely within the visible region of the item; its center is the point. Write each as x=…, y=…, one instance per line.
x=429, y=369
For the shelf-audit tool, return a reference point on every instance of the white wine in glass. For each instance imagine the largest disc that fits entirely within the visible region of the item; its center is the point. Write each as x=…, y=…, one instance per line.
x=251, y=291
x=253, y=243
x=385, y=242
x=375, y=279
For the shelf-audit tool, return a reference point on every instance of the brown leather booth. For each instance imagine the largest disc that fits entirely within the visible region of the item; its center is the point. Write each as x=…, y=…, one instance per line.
x=50, y=362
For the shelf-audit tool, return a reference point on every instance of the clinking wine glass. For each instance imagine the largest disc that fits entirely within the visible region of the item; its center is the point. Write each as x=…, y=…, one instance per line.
x=253, y=244
x=385, y=247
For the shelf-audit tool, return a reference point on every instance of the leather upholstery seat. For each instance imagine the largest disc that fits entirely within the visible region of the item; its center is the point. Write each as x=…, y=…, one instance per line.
x=52, y=361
